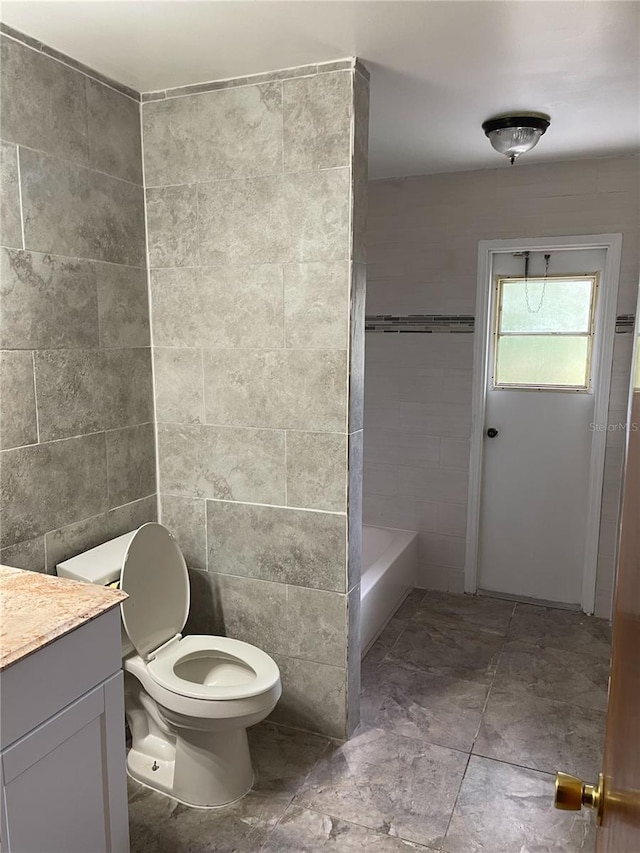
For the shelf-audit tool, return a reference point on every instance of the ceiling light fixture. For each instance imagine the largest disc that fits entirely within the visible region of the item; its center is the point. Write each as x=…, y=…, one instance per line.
x=514, y=134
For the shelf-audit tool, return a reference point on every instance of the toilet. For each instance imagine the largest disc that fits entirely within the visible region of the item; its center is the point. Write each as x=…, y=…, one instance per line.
x=188, y=700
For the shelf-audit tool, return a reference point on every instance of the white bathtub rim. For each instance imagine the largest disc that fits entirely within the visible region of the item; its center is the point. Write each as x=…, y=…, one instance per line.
x=383, y=625
x=372, y=574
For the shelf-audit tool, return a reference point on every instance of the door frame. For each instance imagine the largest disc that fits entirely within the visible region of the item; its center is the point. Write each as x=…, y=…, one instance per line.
x=602, y=363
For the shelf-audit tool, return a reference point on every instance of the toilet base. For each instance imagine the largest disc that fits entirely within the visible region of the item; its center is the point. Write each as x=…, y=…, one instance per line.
x=205, y=770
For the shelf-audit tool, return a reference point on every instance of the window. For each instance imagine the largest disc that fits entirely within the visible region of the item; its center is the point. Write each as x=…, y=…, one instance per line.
x=544, y=332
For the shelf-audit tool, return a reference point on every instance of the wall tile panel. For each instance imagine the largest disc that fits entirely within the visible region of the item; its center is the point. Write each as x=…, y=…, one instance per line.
x=277, y=544
x=317, y=121
x=131, y=464
x=298, y=389
x=93, y=215
x=43, y=103
x=73, y=539
x=74, y=301
x=113, y=130
x=172, y=226
x=18, y=424
x=178, y=385
x=315, y=470
x=238, y=306
x=186, y=519
x=48, y=302
x=259, y=311
x=222, y=462
x=45, y=486
x=123, y=306
x=25, y=555
x=81, y=391
x=10, y=219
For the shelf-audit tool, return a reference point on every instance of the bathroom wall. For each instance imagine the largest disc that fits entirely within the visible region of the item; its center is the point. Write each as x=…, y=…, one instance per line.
x=423, y=235
x=255, y=193
x=76, y=431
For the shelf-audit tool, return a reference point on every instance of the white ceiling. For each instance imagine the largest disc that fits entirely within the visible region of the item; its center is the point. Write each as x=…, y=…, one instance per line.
x=438, y=68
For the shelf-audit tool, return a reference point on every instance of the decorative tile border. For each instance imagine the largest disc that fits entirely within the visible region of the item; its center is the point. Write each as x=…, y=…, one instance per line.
x=51, y=52
x=625, y=323
x=419, y=323
x=254, y=79
x=456, y=323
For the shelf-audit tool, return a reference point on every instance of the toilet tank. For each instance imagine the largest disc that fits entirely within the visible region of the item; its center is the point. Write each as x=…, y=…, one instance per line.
x=101, y=565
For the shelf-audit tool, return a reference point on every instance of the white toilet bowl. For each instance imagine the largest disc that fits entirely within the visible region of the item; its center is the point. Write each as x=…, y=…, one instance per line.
x=188, y=700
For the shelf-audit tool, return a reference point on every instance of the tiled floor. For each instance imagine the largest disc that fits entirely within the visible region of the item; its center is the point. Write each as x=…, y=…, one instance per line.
x=469, y=706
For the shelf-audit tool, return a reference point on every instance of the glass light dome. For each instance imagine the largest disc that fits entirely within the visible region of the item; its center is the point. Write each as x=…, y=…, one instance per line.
x=513, y=135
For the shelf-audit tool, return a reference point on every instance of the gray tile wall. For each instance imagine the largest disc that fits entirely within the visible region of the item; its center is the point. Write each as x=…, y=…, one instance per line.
x=254, y=193
x=76, y=413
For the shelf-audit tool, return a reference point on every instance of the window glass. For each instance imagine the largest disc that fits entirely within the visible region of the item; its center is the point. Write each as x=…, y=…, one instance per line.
x=542, y=360
x=557, y=305
x=544, y=332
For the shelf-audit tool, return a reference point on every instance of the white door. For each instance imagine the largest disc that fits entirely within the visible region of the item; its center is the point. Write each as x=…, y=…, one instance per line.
x=538, y=430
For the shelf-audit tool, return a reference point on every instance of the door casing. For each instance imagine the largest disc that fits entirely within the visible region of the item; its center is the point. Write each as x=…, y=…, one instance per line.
x=601, y=364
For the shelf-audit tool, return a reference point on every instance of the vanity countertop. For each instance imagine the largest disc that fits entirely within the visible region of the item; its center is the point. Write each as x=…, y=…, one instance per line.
x=36, y=609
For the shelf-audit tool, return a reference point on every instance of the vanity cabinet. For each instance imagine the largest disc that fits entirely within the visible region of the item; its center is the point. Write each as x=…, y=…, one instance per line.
x=63, y=745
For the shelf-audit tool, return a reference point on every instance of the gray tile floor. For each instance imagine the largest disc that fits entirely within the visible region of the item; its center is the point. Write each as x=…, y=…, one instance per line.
x=469, y=706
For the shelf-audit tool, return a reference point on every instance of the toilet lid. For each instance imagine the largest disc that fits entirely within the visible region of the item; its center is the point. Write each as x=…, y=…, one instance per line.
x=154, y=576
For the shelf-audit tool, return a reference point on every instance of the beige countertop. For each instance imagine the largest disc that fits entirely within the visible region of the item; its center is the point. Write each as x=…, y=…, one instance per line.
x=36, y=609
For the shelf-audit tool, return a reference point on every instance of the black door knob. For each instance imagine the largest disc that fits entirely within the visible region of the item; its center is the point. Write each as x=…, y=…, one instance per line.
x=492, y=432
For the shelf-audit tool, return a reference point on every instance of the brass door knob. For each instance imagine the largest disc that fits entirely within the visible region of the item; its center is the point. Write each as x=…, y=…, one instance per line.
x=572, y=794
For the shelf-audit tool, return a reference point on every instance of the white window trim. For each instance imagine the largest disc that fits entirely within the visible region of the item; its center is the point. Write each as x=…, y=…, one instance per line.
x=603, y=358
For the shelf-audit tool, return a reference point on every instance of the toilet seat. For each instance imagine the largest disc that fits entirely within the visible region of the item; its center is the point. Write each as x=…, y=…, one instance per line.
x=154, y=576
x=235, y=670
x=197, y=667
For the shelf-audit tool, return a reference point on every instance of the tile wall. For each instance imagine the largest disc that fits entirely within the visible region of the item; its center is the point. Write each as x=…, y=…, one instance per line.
x=255, y=195
x=76, y=425
x=423, y=234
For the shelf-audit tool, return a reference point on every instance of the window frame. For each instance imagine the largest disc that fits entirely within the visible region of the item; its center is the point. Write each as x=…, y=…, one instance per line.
x=590, y=334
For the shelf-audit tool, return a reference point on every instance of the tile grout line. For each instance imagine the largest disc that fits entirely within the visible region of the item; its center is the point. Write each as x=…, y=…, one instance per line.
x=455, y=802
x=240, y=179
x=196, y=197
x=24, y=245
x=150, y=317
x=549, y=773
x=206, y=512
x=255, y=503
x=200, y=350
x=86, y=166
x=106, y=468
x=35, y=399
x=44, y=549
x=391, y=647
x=86, y=120
x=281, y=349
x=78, y=258
x=82, y=434
x=282, y=111
x=286, y=477
x=234, y=264
x=374, y=831
x=493, y=677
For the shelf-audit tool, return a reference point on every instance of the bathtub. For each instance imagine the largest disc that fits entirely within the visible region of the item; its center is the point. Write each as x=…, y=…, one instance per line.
x=389, y=564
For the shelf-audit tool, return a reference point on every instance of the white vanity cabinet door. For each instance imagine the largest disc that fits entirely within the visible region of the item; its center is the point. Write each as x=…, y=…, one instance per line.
x=62, y=782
